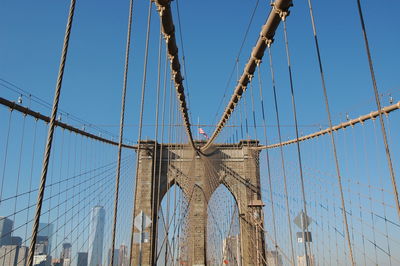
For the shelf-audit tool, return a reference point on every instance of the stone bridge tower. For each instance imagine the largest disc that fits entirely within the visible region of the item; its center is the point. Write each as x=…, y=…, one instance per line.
x=236, y=166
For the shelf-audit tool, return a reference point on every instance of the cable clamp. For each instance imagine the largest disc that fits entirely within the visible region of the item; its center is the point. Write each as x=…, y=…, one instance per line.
x=282, y=13
x=166, y=37
x=269, y=42
x=160, y=9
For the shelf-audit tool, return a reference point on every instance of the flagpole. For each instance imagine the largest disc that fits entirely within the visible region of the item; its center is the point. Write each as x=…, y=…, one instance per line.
x=198, y=128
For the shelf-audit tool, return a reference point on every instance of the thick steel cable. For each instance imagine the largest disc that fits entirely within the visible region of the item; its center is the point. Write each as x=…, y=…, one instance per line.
x=146, y=55
x=50, y=134
x=47, y=105
x=168, y=30
x=267, y=33
x=121, y=130
x=378, y=105
x=58, y=123
x=306, y=247
x=268, y=162
x=281, y=151
x=183, y=55
x=339, y=178
x=385, y=110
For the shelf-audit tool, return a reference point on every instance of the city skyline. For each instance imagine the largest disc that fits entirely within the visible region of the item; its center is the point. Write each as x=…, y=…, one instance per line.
x=12, y=251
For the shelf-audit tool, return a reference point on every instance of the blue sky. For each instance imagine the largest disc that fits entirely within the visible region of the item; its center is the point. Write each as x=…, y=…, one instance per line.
x=31, y=35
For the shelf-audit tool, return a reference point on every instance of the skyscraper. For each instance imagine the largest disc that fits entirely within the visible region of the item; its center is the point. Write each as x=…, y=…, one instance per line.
x=13, y=255
x=66, y=251
x=82, y=259
x=66, y=254
x=96, y=235
x=44, y=237
x=6, y=226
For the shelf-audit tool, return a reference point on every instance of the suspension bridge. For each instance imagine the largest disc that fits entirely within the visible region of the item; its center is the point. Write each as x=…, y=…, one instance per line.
x=291, y=170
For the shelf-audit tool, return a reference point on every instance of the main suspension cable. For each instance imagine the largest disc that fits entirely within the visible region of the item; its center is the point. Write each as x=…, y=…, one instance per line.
x=267, y=33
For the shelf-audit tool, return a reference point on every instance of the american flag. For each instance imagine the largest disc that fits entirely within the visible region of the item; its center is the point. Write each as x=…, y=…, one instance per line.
x=202, y=132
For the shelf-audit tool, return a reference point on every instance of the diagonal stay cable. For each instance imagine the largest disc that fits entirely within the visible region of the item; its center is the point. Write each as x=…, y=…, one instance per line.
x=267, y=33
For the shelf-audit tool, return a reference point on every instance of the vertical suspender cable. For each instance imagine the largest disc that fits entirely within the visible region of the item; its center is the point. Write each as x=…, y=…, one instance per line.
x=378, y=104
x=121, y=129
x=50, y=133
x=332, y=136
x=268, y=162
x=162, y=140
x=253, y=110
x=303, y=194
x=156, y=179
x=281, y=152
x=140, y=128
x=5, y=155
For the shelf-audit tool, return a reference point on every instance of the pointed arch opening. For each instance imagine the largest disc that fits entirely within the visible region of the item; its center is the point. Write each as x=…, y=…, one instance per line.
x=223, y=229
